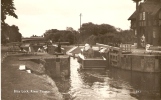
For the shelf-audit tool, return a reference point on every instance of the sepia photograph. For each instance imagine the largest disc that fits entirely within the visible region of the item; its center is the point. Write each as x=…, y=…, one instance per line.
x=80, y=49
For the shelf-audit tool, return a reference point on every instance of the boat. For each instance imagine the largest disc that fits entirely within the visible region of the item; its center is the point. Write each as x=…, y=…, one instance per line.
x=95, y=62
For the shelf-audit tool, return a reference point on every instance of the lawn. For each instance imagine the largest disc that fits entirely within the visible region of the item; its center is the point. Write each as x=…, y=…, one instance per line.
x=20, y=85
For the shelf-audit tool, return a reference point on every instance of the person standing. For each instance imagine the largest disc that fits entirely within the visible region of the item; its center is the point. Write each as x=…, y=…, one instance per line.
x=59, y=47
x=90, y=52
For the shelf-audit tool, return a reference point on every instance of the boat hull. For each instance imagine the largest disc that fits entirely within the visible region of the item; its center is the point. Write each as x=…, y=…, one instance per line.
x=92, y=63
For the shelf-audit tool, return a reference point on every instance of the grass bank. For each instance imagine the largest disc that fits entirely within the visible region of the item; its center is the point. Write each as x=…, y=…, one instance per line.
x=20, y=85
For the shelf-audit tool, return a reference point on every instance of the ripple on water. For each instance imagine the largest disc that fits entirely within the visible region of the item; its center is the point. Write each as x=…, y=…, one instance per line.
x=101, y=84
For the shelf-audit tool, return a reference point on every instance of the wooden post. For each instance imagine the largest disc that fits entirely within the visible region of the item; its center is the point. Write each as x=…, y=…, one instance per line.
x=120, y=54
x=109, y=58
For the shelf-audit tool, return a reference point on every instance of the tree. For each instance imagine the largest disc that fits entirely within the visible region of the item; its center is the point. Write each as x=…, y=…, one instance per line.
x=105, y=28
x=14, y=34
x=89, y=29
x=49, y=34
x=126, y=36
x=68, y=35
x=10, y=34
x=91, y=40
x=7, y=8
x=74, y=33
x=70, y=38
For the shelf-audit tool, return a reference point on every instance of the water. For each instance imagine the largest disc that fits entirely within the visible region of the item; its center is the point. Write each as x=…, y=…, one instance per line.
x=112, y=84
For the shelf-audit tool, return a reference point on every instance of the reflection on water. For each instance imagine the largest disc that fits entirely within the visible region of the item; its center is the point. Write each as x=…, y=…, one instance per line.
x=113, y=84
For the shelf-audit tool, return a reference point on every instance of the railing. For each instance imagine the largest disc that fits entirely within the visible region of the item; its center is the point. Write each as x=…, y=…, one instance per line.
x=114, y=54
x=126, y=48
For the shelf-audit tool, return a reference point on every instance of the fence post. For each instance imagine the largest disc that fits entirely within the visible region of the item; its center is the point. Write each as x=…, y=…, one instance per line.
x=120, y=54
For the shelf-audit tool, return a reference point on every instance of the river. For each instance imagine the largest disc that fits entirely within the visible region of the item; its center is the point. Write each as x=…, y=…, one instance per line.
x=112, y=84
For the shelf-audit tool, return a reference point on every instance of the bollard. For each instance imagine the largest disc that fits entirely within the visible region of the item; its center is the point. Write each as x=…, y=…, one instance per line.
x=57, y=67
x=74, y=55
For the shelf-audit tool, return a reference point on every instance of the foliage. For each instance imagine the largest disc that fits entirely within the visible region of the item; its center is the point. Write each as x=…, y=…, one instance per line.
x=114, y=39
x=127, y=36
x=91, y=33
x=136, y=0
x=15, y=35
x=48, y=34
x=8, y=33
x=89, y=29
x=11, y=34
x=91, y=40
x=7, y=8
x=4, y=37
x=63, y=35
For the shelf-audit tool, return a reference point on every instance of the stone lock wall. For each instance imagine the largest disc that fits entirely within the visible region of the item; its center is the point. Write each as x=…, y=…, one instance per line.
x=143, y=63
x=58, y=66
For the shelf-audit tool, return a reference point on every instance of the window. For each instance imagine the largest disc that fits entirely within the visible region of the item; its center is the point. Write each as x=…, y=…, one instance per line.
x=144, y=15
x=135, y=32
x=142, y=23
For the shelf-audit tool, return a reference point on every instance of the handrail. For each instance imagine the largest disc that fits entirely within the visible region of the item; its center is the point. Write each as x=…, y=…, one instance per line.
x=109, y=47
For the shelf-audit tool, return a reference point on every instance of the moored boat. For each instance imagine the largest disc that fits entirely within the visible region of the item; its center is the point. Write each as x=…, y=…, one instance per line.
x=91, y=63
x=91, y=59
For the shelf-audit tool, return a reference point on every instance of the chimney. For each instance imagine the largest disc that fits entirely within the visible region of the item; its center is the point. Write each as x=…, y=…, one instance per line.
x=137, y=4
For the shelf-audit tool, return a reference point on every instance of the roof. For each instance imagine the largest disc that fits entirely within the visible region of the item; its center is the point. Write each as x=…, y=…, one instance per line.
x=133, y=16
x=151, y=7
x=148, y=6
x=157, y=8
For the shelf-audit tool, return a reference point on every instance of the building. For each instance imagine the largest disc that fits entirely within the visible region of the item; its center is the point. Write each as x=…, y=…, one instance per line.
x=146, y=22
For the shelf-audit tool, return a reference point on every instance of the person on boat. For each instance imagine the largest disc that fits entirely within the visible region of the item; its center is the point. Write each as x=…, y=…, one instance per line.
x=90, y=52
x=103, y=51
x=85, y=50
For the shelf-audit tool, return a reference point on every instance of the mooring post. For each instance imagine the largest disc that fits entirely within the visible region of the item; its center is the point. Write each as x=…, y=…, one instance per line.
x=57, y=67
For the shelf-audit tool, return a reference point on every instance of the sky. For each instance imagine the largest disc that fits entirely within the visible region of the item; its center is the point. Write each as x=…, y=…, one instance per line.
x=37, y=16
